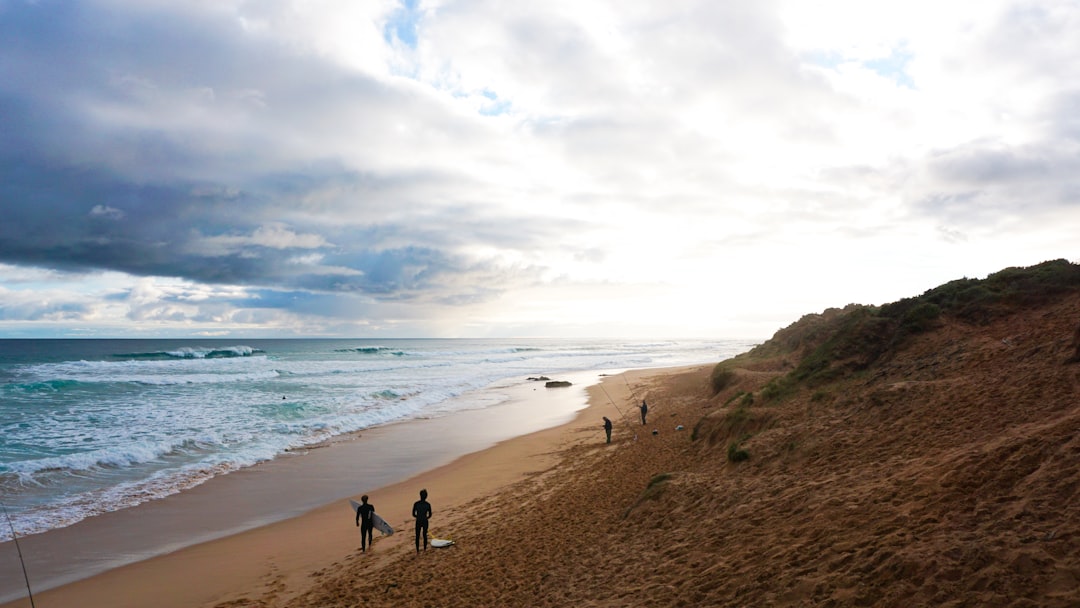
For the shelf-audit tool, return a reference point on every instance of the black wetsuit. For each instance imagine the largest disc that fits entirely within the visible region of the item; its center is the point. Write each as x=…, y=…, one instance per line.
x=421, y=510
x=644, y=410
x=367, y=526
x=607, y=429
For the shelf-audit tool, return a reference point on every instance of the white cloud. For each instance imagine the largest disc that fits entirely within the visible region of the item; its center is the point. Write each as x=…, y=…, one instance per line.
x=106, y=212
x=603, y=163
x=273, y=236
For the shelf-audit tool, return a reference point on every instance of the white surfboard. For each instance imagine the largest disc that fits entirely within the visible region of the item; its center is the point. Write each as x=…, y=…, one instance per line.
x=379, y=523
x=438, y=543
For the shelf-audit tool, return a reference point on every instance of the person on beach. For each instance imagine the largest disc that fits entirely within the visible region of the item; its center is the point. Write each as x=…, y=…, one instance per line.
x=644, y=410
x=607, y=428
x=367, y=525
x=421, y=510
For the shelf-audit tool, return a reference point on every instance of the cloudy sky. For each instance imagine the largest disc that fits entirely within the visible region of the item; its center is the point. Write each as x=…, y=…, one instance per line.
x=474, y=168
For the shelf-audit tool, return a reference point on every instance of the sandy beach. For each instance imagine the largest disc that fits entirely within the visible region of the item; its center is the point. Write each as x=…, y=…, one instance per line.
x=283, y=555
x=944, y=474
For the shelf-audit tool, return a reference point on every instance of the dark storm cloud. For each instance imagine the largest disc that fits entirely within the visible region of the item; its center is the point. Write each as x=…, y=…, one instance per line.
x=317, y=167
x=161, y=143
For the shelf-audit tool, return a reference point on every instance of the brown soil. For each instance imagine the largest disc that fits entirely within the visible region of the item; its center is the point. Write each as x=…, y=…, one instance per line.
x=945, y=476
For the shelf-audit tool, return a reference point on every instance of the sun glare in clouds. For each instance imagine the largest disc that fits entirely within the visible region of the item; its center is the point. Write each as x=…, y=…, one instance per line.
x=458, y=168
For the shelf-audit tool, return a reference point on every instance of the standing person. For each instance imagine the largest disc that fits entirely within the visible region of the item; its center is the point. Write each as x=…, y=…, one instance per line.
x=607, y=428
x=364, y=515
x=644, y=410
x=421, y=510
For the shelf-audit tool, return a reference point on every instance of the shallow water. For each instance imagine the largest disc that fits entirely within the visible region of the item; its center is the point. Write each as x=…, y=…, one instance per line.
x=89, y=427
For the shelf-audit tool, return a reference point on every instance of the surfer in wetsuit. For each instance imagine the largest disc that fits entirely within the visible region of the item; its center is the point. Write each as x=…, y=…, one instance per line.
x=421, y=510
x=607, y=428
x=364, y=519
x=644, y=410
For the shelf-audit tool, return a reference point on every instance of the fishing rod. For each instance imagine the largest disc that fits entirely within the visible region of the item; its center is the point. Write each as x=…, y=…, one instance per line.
x=630, y=388
x=18, y=550
x=622, y=416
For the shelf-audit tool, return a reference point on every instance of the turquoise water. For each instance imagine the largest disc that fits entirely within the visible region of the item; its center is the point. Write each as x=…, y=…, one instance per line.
x=92, y=426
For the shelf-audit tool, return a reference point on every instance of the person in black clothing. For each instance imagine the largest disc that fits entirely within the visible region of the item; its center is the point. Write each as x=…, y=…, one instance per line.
x=364, y=519
x=607, y=428
x=644, y=410
x=421, y=510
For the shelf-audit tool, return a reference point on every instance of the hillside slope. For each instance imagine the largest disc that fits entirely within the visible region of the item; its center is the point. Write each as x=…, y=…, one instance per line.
x=862, y=457
x=937, y=469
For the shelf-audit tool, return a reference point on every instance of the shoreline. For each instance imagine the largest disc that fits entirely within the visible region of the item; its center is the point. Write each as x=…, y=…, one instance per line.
x=236, y=559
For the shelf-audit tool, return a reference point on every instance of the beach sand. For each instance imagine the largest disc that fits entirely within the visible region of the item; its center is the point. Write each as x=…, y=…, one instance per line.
x=946, y=474
x=278, y=560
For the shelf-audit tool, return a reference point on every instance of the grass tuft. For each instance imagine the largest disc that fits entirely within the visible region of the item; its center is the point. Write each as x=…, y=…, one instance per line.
x=721, y=378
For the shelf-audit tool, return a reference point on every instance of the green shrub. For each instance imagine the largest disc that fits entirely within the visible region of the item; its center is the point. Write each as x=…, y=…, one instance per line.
x=979, y=301
x=842, y=343
x=735, y=453
x=652, y=491
x=921, y=317
x=976, y=294
x=736, y=417
x=777, y=388
x=655, y=487
x=721, y=378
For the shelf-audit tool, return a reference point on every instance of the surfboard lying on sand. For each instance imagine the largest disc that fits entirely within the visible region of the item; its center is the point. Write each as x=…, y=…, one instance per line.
x=440, y=542
x=379, y=523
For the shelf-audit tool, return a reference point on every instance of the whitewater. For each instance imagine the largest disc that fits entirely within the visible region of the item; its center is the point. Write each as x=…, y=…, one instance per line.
x=93, y=426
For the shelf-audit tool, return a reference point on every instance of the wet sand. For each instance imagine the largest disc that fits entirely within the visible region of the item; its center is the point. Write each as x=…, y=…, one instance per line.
x=292, y=509
x=944, y=475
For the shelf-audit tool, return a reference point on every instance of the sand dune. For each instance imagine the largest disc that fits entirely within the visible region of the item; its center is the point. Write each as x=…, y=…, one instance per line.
x=947, y=476
x=944, y=475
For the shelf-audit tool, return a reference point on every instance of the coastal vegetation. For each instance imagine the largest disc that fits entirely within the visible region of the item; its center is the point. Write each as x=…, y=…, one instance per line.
x=949, y=419
x=841, y=342
x=924, y=452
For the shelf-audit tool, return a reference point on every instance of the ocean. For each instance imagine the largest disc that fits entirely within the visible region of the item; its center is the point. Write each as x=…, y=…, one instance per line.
x=89, y=426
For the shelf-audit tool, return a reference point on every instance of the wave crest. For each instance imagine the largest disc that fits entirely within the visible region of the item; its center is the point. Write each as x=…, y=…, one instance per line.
x=194, y=352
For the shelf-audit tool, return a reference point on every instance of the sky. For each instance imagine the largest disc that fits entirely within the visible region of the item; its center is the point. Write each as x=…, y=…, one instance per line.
x=484, y=168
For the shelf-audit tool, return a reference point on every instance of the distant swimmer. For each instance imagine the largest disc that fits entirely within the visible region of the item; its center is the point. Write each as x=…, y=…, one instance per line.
x=607, y=428
x=364, y=519
x=421, y=510
x=644, y=410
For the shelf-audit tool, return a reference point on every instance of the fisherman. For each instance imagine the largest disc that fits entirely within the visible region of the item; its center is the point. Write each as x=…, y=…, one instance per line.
x=644, y=410
x=421, y=510
x=365, y=519
x=607, y=428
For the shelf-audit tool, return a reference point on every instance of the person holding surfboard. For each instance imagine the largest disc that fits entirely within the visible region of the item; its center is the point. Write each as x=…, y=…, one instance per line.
x=365, y=519
x=421, y=510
